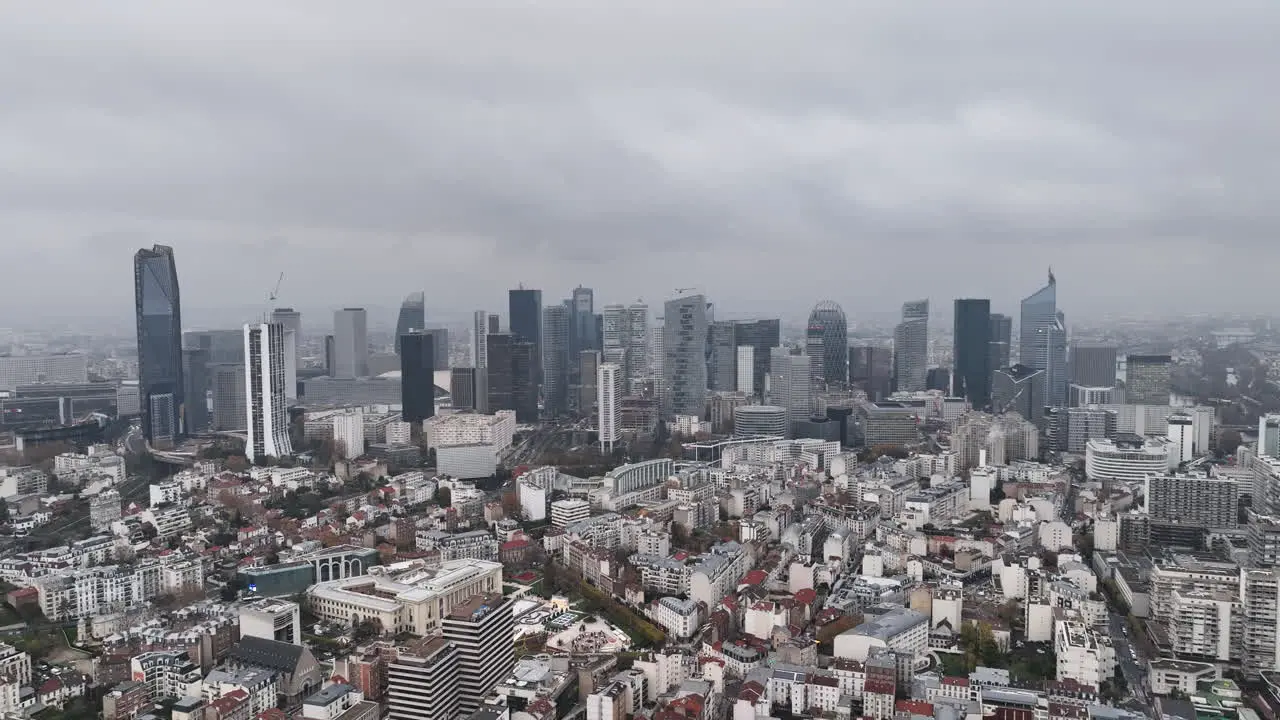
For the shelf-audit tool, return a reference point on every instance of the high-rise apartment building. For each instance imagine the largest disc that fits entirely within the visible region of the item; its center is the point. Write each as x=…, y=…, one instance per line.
x=971, y=353
x=1147, y=379
x=1042, y=341
x=413, y=316
x=499, y=372
x=350, y=343
x=685, y=350
x=791, y=385
x=1269, y=435
x=911, y=347
x=830, y=318
x=1092, y=364
x=609, y=404
x=1260, y=601
x=555, y=360
x=524, y=317
x=479, y=331
x=267, y=367
x=481, y=628
x=158, y=312
x=761, y=336
x=722, y=356
x=625, y=341
x=197, y=382
x=417, y=376
x=422, y=682
x=1193, y=500
x=524, y=381
x=1001, y=340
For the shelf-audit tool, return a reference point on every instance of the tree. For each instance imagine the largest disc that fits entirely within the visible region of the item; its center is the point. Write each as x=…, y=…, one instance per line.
x=444, y=498
x=236, y=463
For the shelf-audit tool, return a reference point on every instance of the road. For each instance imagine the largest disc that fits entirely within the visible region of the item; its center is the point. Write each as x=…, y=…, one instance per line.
x=1134, y=671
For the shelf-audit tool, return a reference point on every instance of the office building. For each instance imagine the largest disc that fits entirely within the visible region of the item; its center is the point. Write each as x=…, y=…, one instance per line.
x=886, y=423
x=330, y=355
x=499, y=371
x=440, y=343
x=223, y=346
x=265, y=401
x=413, y=316
x=1042, y=341
x=229, y=409
x=911, y=347
x=971, y=353
x=350, y=343
x=1083, y=396
x=479, y=331
x=1269, y=436
x=524, y=318
x=1206, y=502
x=1182, y=432
x=761, y=336
x=422, y=682
x=625, y=341
x=722, y=357
x=609, y=401
x=1092, y=364
x=1147, y=379
x=1001, y=340
x=588, y=371
x=417, y=376
x=871, y=370
x=1019, y=389
x=481, y=628
x=684, y=366
x=197, y=382
x=524, y=381
x=555, y=360
x=18, y=370
x=292, y=321
x=278, y=620
x=791, y=385
x=829, y=318
x=744, y=373
x=469, y=389
x=158, y=310
x=582, y=323
x=813, y=348
x=1260, y=600
x=1126, y=458
x=759, y=421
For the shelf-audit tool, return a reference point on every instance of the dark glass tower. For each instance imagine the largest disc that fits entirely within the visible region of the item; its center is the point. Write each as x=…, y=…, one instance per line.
x=159, y=324
x=417, y=376
x=555, y=359
x=1001, y=339
x=524, y=308
x=971, y=353
x=762, y=336
x=499, y=371
x=413, y=316
x=524, y=381
x=829, y=317
x=196, y=378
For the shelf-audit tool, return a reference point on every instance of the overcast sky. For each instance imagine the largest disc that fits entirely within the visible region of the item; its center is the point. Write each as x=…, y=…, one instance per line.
x=769, y=153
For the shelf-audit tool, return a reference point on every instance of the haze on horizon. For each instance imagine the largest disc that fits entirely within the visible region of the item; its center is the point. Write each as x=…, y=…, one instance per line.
x=866, y=152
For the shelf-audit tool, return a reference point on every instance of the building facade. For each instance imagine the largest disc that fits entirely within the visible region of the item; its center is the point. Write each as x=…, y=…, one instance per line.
x=158, y=309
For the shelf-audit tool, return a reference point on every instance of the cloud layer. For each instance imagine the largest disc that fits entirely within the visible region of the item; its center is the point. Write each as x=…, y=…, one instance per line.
x=770, y=153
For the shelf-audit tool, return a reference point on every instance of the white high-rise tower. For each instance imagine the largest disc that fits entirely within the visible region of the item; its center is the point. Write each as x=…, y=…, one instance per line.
x=609, y=403
x=267, y=367
x=479, y=348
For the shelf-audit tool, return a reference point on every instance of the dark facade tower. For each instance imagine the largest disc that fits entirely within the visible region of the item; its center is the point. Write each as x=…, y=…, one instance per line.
x=481, y=629
x=1093, y=364
x=413, y=316
x=1147, y=379
x=158, y=311
x=582, y=322
x=499, y=371
x=197, y=382
x=524, y=308
x=555, y=359
x=829, y=316
x=722, y=356
x=762, y=336
x=524, y=381
x=495, y=324
x=972, y=352
x=417, y=376
x=1001, y=339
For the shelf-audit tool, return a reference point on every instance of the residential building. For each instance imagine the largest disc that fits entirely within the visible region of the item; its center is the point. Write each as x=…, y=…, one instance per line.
x=609, y=405
x=422, y=683
x=470, y=428
x=1126, y=458
x=1083, y=655
x=267, y=366
x=479, y=332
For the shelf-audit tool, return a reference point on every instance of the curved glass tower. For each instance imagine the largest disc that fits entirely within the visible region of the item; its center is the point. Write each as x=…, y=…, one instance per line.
x=829, y=317
x=413, y=316
x=1042, y=340
x=159, y=323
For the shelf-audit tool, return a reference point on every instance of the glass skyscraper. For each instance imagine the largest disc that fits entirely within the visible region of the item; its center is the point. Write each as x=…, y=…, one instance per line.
x=762, y=336
x=829, y=317
x=413, y=316
x=524, y=315
x=971, y=352
x=911, y=347
x=158, y=311
x=1042, y=345
x=684, y=345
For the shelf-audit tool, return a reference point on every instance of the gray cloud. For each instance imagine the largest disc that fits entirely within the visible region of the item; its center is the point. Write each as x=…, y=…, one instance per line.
x=770, y=153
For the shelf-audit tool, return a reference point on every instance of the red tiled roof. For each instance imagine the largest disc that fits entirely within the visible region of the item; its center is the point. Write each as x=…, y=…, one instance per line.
x=879, y=687
x=755, y=577
x=807, y=596
x=50, y=685
x=915, y=707
x=956, y=681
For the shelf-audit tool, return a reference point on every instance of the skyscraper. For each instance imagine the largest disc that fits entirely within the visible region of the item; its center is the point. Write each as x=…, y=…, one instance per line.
x=481, y=629
x=911, y=346
x=350, y=343
x=417, y=376
x=1019, y=389
x=555, y=360
x=639, y=345
x=745, y=371
x=971, y=354
x=829, y=316
x=479, y=330
x=589, y=369
x=495, y=324
x=582, y=321
x=499, y=372
x=625, y=341
x=158, y=310
x=813, y=347
x=1092, y=364
x=468, y=389
x=195, y=377
x=422, y=682
x=524, y=308
x=685, y=362
x=762, y=336
x=1147, y=379
x=791, y=385
x=1042, y=342
x=440, y=342
x=871, y=369
x=1001, y=340
x=524, y=381
x=722, y=356
x=609, y=404
x=264, y=382
x=413, y=316
x=292, y=321
x=229, y=411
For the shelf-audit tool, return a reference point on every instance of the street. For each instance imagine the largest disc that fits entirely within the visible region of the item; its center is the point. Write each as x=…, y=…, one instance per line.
x=1134, y=671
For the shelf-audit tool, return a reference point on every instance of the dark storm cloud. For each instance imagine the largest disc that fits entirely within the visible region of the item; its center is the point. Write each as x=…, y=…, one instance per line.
x=769, y=153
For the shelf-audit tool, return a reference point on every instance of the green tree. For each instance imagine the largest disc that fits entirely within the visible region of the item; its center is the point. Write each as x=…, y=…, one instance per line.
x=444, y=498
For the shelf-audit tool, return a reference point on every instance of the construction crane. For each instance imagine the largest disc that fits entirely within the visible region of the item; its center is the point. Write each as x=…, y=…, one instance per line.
x=275, y=292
